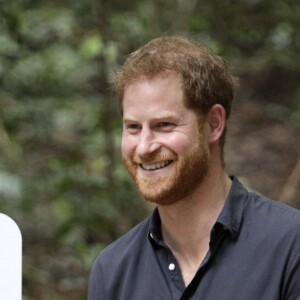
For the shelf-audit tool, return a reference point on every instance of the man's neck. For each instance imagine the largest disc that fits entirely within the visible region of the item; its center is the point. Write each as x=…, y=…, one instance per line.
x=186, y=225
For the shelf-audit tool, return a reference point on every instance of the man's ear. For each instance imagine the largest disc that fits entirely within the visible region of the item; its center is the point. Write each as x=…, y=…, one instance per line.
x=216, y=121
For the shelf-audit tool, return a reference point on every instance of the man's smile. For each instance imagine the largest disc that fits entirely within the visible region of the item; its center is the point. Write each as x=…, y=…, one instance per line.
x=155, y=166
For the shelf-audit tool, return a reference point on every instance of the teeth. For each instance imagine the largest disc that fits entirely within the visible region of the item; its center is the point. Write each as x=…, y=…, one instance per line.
x=156, y=166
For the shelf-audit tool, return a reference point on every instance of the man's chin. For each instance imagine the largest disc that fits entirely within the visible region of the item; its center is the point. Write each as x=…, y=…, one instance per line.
x=163, y=197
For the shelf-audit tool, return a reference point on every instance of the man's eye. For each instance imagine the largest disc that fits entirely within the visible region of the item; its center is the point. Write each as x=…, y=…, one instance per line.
x=133, y=127
x=165, y=126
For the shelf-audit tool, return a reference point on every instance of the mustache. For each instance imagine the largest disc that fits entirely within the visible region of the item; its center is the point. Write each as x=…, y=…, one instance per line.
x=154, y=157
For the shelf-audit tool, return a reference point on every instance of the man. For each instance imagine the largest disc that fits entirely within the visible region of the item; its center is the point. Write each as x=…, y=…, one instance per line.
x=208, y=238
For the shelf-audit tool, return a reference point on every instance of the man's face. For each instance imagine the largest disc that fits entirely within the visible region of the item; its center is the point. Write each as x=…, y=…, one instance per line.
x=163, y=147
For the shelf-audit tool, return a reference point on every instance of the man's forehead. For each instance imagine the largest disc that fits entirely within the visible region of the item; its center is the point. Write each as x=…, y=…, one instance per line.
x=153, y=77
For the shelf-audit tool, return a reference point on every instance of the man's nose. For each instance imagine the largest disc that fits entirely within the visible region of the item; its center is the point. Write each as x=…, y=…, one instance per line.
x=147, y=143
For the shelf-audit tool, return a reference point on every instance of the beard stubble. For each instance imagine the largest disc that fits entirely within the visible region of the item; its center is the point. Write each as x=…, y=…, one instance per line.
x=182, y=179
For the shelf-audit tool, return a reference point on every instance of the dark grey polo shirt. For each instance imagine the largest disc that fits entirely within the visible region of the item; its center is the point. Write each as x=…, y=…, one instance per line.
x=254, y=254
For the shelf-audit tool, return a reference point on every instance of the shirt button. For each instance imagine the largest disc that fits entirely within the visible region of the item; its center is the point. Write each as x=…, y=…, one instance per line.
x=171, y=267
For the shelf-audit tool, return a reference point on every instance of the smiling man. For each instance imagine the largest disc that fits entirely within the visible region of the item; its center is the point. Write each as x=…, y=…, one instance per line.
x=208, y=237
x=163, y=145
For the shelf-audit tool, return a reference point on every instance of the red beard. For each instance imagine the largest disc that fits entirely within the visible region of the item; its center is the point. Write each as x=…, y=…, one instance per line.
x=184, y=175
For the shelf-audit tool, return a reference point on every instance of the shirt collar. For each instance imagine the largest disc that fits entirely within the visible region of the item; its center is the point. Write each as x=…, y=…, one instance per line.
x=230, y=217
x=232, y=213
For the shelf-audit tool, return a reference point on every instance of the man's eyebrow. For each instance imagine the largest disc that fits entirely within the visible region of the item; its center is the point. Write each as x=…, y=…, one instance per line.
x=168, y=117
x=157, y=117
x=129, y=119
x=165, y=115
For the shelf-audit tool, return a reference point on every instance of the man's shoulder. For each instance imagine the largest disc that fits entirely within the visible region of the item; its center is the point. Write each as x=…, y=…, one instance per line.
x=125, y=245
x=274, y=214
x=276, y=207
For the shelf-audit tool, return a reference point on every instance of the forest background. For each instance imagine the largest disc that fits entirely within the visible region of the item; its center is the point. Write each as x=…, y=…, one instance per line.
x=61, y=178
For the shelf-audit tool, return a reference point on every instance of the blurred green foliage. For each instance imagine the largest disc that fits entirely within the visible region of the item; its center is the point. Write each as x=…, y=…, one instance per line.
x=60, y=172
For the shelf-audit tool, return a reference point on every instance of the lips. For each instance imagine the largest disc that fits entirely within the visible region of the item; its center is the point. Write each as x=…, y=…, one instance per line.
x=156, y=166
